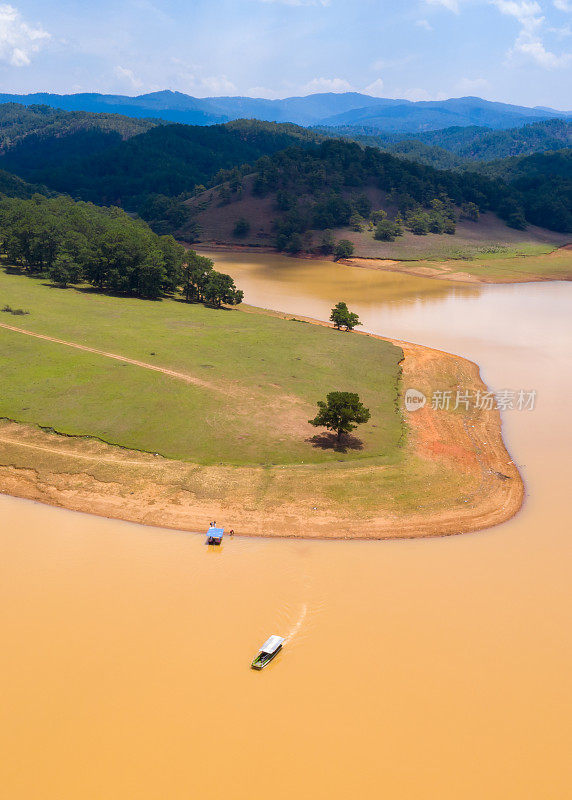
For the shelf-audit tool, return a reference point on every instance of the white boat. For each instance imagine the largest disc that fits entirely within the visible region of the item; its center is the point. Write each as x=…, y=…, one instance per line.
x=268, y=651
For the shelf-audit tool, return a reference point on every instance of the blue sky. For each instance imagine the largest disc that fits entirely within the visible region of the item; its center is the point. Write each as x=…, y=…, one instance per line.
x=517, y=51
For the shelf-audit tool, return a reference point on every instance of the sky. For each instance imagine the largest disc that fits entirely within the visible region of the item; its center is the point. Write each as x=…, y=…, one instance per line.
x=516, y=51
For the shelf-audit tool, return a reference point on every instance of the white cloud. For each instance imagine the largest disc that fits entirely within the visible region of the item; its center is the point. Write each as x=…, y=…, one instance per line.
x=336, y=85
x=423, y=23
x=415, y=94
x=18, y=40
x=470, y=86
x=529, y=44
x=563, y=5
x=263, y=92
x=534, y=49
x=452, y=5
x=127, y=74
x=375, y=89
x=528, y=13
x=191, y=78
x=217, y=85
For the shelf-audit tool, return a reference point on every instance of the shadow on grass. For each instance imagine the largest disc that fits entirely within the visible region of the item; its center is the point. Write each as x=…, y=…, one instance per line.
x=194, y=302
x=86, y=289
x=329, y=441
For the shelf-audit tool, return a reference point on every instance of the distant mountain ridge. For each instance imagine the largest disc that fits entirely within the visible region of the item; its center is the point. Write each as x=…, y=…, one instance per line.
x=350, y=108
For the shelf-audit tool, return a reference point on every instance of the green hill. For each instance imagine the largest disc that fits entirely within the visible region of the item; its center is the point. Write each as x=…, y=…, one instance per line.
x=543, y=184
x=17, y=122
x=136, y=164
x=455, y=147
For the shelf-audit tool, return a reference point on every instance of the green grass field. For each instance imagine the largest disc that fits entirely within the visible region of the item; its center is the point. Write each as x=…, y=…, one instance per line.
x=505, y=264
x=521, y=266
x=261, y=377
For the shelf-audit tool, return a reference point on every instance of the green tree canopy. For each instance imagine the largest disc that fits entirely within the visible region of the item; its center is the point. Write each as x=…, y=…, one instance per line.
x=241, y=228
x=220, y=289
x=342, y=412
x=387, y=231
x=76, y=242
x=344, y=249
x=342, y=317
x=196, y=273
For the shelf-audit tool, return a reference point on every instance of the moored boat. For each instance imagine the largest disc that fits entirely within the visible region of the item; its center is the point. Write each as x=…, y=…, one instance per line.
x=267, y=652
x=214, y=535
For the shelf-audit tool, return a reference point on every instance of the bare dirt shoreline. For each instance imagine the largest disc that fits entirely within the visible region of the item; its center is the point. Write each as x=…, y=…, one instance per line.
x=462, y=453
x=439, y=269
x=442, y=270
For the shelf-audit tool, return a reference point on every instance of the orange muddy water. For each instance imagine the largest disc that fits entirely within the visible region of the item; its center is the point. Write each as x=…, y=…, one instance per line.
x=436, y=669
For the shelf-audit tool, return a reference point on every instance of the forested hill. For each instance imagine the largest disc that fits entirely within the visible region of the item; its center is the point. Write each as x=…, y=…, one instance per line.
x=451, y=148
x=148, y=171
x=482, y=144
x=326, y=186
x=543, y=182
x=12, y=186
x=103, y=158
x=18, y=122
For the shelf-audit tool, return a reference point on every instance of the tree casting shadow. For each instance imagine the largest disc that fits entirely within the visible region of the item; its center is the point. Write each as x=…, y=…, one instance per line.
x=329, y=441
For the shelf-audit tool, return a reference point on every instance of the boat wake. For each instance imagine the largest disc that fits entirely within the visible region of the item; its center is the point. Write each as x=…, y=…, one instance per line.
x=295, y=629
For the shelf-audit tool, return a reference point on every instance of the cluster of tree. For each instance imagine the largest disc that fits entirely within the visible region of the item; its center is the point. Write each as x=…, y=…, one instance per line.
x=201, y=282
x=314, y=186
x=542, y=186
x=18, y=122
x=75, y=242
x=450, y=148
x=302, y=214
x=440, y=217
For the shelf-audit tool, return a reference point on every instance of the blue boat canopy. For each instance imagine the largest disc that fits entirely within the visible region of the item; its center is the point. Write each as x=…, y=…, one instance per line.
x=272, y=644
x=216, y=533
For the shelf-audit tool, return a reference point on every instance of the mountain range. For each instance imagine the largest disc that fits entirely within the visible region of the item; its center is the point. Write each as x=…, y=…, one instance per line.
x=350, y=108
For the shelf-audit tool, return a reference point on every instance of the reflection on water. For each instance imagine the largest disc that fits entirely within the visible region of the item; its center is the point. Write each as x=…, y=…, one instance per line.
x=414, y=670
x=305, y=286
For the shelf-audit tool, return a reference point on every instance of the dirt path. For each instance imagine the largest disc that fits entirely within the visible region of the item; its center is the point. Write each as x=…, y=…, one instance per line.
x=75, y=454
x=179, y=375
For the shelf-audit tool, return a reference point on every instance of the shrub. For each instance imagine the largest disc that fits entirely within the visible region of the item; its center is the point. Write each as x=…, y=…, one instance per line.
x=387, y=231
x=344, y=249
x=241, y=228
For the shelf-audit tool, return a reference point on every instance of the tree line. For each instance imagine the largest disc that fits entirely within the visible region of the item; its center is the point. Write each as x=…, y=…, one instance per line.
x=318, y=187
x=449, y=148
x=75, y=242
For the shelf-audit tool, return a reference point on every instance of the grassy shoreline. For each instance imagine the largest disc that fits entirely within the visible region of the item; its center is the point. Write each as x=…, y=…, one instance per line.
x=429, y=474
x=554, y=264
x=235, y=388
x=493, y=268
